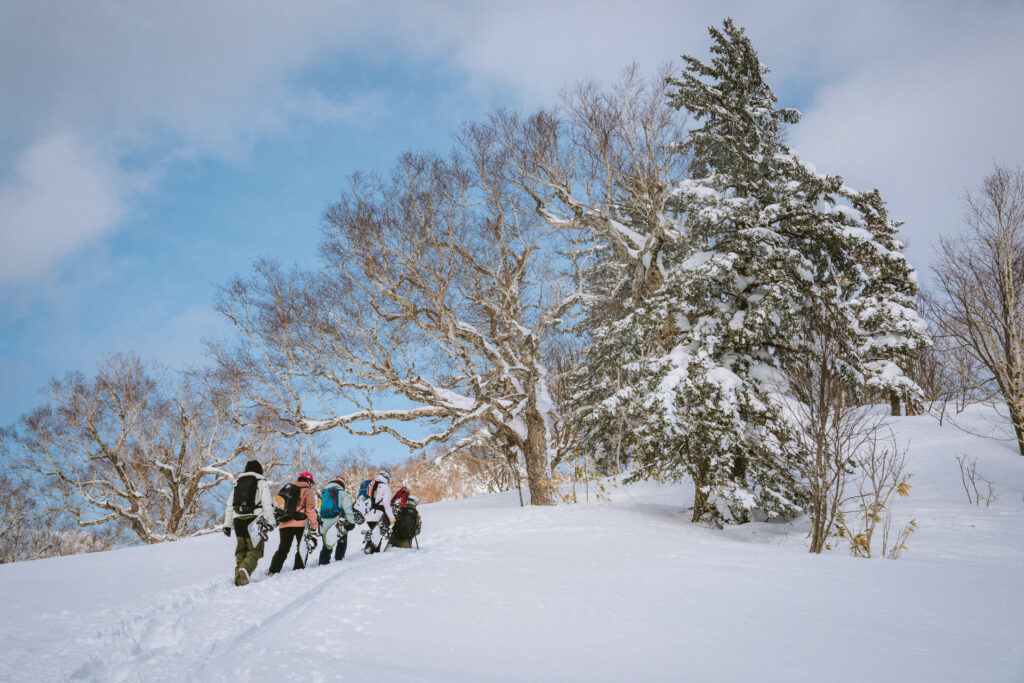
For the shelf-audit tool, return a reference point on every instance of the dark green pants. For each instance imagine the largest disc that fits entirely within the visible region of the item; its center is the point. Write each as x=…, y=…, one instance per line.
x=247, y=555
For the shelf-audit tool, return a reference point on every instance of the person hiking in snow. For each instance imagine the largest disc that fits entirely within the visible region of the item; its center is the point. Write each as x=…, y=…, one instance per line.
x=380, y=517
x=407, y=525
x=300, y=510
x=335, y=513
x=251, y=500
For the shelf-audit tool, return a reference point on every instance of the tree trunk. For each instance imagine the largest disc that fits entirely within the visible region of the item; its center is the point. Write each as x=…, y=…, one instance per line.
x=818, y=524
x=538, y=474
x=700, y=503
x=1017, y=418
x=894, y=403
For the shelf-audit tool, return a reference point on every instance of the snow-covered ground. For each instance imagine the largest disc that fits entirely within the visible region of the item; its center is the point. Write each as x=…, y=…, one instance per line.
x=627, y=590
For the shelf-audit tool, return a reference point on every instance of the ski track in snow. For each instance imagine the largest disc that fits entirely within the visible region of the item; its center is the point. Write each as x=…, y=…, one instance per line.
x=593, y=591
x=161, y=639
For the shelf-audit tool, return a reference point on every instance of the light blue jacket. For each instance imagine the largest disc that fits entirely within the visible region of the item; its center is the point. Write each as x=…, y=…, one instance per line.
x=345, y=502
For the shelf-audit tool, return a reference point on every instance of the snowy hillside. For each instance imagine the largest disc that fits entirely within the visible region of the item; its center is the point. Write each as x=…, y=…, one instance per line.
x=623, y=591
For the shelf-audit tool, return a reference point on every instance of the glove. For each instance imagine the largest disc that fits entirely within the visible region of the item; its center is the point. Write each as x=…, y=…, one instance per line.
x=227, y=531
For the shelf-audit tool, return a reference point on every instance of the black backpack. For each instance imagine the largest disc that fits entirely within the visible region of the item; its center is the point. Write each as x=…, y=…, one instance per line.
x=405, y=525
x=288, y=506
x=244, y=500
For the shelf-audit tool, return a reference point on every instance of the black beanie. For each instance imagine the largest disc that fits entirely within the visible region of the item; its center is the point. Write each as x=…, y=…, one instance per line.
x=254, y=466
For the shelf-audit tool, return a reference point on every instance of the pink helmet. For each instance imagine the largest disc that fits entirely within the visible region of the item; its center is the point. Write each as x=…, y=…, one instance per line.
x=307, y=476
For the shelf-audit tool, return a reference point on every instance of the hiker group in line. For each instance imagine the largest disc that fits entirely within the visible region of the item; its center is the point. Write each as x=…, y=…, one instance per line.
x=307, y=516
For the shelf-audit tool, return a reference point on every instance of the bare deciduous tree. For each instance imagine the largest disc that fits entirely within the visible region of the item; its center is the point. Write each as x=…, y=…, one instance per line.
x=128, y=447
x=603, y=168
x=435, y=309
x=980, y=307
x=829, y=427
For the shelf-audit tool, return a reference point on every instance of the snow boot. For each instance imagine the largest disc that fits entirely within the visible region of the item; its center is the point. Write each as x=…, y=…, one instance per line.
x=241, y=577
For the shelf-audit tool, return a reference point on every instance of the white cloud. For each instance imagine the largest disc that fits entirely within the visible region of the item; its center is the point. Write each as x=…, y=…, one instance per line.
x=917, y=99
x=88, y=87
x=924, y=119
x=63, y=194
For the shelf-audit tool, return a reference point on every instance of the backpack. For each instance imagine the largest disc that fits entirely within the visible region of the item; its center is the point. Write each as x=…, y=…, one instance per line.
x=364, y=501
x=329, y=505
x=399, y=500
x=287, y=502
x=405, y=525
x=244, y=499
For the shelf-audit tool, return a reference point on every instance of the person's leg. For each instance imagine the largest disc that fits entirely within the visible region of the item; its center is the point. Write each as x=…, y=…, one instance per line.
x=252, y=557
x=277, y=562
x=299, y=540
x=328, y=528
x=341, y=545
x=241, y=535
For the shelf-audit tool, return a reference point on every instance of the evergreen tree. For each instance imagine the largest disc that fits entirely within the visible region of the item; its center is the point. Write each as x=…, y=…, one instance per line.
x=890, y=327
x=770, y=243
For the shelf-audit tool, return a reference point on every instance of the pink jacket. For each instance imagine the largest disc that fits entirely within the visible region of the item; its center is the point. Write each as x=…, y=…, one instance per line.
x=307, y=504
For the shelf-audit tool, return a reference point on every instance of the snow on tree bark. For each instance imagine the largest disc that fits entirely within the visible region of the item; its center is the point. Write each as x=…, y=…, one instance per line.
x=434, y=308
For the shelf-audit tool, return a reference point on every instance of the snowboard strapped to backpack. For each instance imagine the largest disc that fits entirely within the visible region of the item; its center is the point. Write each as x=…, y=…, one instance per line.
x=364, y=501
x=286, y=504
x=244, y=499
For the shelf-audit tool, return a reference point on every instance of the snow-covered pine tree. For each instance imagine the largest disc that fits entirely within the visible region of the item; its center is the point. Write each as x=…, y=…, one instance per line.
x=771, y=243
x=891, y=329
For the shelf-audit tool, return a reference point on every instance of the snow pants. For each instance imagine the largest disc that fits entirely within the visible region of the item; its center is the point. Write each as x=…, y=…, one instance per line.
x=247, y=555
x=340, y=544
x=287, y=535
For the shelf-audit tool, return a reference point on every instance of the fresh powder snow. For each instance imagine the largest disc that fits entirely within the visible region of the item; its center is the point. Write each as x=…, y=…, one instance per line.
x=599, y=591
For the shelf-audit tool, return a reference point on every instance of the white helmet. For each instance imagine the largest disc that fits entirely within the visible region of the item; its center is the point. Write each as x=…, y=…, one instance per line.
x=383, y=474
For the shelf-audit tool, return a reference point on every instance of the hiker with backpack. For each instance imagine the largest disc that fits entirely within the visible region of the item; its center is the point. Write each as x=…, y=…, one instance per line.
x=407, y=524
x=251, y=502
x=379, y=515
x=335, y=513
x=298, y=512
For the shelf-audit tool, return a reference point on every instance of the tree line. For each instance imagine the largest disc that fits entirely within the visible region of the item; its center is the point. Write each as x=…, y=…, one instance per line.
x=645, y=279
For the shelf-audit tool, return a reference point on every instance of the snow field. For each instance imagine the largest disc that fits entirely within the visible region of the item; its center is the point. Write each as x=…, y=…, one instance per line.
x=595, y=591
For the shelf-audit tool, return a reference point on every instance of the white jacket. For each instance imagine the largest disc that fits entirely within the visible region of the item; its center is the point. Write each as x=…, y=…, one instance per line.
x=264, y=501
x=382, y=498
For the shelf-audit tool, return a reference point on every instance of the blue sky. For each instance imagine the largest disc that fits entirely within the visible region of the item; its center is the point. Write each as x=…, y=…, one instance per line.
x=150, y=151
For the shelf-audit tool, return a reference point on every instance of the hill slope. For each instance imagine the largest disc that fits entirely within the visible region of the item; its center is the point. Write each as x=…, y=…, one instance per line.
x=626, y=590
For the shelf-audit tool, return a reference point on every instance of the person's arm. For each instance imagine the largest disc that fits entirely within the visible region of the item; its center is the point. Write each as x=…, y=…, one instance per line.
x=229, y=511
x=346, y=506
x=309, y=507
x=388, y=512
